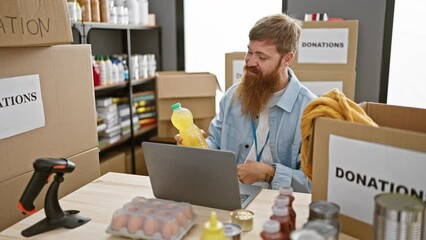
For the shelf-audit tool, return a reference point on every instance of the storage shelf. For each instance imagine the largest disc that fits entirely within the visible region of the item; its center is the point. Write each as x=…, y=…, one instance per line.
x=117, y=26
x=111, y=86
x=145, y=129
x=142, y=81
x=122, y=140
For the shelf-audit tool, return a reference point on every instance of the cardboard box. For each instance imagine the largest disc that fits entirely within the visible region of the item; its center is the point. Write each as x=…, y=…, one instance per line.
x=195, y=91
x=141, y=168
x=167, y=130
x=327, y=46
x=202, y=107
x=67, y=94
x=320, y=82
x=355, y=162
x=234, y=67
x=113, y=162
x=11, y=190
x=34, y=23
x=185, y=85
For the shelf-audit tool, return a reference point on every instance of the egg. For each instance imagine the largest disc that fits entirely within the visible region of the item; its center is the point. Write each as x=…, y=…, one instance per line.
x=148, y=211
x=170, y=228
x=181, y=218
x=119, y=221
x=150, y=226
x=134, y=224
x=171, y=206
x=164, y=213
x=188, y=212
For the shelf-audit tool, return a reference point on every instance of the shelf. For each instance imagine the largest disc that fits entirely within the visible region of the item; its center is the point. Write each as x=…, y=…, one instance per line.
x=111, y=86
x=122, y=140
x=142, y=81
x=145, y=129
x=117, y=26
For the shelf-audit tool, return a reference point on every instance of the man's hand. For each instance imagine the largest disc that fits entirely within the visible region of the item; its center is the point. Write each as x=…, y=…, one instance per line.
x=179, y=139
x=251, y=172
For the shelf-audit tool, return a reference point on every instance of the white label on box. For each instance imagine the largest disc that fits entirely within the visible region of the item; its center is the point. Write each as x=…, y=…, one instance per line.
x=21, y=105
x=320, y=87
x=323, y=45
x=237, y=70
x=359, y=170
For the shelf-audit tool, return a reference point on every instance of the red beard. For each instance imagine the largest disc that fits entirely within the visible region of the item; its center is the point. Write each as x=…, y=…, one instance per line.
x=256, y=89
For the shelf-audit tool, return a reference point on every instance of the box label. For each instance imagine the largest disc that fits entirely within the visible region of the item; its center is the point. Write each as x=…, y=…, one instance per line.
x=237, y=70
x=21, y=105
x=321, y=87
x=359, y=170
x=323, y=45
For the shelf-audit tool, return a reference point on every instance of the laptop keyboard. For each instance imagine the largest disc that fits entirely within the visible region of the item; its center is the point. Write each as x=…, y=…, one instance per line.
x=244, y=197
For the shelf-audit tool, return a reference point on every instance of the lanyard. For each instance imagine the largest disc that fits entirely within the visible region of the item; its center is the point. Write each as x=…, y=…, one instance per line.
x=253, y=128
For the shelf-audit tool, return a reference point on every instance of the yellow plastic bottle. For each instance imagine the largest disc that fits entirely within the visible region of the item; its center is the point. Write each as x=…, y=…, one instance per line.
x=213, y=229
x=182, y=120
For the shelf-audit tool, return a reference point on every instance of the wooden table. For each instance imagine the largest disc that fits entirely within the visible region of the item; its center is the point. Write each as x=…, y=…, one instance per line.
x=100, y=198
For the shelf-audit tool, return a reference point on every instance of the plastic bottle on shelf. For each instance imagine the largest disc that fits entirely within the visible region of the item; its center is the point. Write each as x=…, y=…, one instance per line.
x=102, y=69
x=96, y=72
x=72, y=10
x=213, y=229
x=94, y=7
x=115, y=72
x=108, y=69
x=126, y=16
x=281, y=215
x=182, y=120
x=133, y=6
x=143, y=12
x=287, y=191
x=271, y=231
x=120, y=67
x=86, y=10
x=79, y=13
x=126, y=69
x=143, y=65
x=152, y=65
x=113, y=18
x=104, y=9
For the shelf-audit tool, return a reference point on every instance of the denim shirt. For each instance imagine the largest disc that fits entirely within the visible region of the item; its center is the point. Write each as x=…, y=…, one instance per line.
x=231, y=130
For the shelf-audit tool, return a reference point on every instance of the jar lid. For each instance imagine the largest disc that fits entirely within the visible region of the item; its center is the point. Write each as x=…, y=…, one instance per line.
x=323, y=210
x=326, y=230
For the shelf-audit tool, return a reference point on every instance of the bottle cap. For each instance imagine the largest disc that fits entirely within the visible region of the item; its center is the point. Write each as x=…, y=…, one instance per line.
x=213, y=225
x=280, y=211
x=176, y=106
x=323, y=210
x=271, y=226
x=282, y=201
x=286, y=190
x=306, y=234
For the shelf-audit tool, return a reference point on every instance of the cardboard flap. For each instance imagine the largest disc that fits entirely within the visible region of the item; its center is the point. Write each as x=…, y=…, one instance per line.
x=183, y=84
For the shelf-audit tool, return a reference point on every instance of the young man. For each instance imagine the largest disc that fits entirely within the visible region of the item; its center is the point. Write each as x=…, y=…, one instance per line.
x=259, y=118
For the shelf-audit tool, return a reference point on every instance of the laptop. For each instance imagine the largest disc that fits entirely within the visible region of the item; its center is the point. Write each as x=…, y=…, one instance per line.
x=199, y=176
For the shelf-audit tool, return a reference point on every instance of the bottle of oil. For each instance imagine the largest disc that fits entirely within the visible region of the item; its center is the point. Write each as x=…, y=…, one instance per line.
x=182, y=120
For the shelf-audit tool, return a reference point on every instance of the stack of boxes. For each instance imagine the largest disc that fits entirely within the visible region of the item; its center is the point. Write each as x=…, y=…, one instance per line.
x=326, y=57
x=47, y=107
x=195, y=91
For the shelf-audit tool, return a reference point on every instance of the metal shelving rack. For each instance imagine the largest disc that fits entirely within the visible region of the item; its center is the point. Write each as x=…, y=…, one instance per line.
x=108, y=39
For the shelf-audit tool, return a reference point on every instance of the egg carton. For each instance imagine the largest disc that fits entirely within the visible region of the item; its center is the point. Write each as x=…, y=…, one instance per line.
x=152, y=219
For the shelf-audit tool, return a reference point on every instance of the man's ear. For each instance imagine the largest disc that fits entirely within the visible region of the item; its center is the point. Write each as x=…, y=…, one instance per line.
x=286, y=60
